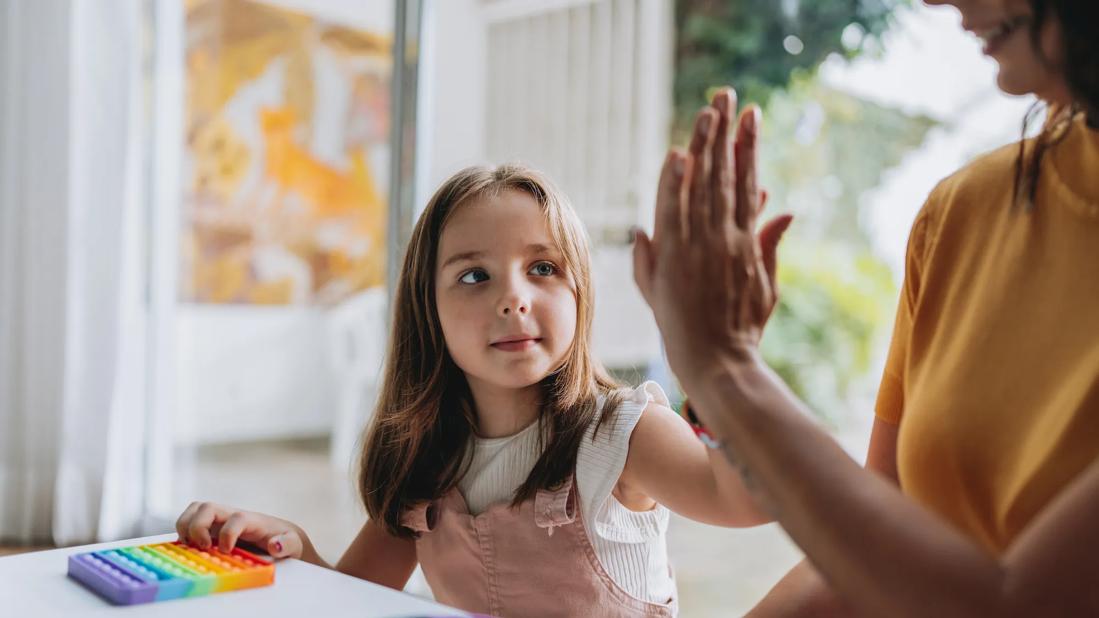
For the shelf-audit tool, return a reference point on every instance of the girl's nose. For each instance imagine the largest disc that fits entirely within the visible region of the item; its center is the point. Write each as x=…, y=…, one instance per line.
x=513, y=302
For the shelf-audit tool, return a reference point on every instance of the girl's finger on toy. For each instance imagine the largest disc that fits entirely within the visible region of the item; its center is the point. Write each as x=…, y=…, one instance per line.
x=747, y=181
x=724, y=174
x=669, y=195
x=233, y=528
x=204, y=519
x=702, y=144
x=184, y=521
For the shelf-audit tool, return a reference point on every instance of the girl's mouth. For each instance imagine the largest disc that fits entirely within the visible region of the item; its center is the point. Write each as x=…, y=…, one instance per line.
x=516, y=344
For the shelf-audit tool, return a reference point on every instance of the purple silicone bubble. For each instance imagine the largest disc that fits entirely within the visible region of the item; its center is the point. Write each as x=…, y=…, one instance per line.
x=112, y=584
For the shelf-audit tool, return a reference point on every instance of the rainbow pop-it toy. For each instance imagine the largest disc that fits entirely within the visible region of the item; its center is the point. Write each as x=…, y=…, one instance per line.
x=162, y=571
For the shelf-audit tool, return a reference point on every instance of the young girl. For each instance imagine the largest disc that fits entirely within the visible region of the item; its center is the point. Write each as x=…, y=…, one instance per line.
x=501, y=457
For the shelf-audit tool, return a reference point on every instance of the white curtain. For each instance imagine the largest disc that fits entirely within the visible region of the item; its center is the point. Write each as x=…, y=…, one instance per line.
x=72, y=264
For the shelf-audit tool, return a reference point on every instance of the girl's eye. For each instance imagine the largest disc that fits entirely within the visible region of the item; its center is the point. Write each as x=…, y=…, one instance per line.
x=543, y=269
x=474, y=276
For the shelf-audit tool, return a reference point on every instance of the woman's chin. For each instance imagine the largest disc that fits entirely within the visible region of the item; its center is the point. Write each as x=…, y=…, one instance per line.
x=1011, y=85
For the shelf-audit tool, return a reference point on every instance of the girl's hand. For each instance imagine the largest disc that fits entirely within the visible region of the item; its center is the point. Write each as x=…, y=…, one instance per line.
x=203, y=522
x=708, y=277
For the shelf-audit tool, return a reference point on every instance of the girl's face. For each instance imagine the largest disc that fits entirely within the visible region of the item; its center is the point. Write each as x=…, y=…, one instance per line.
x=1004, y=26
x=507, y=308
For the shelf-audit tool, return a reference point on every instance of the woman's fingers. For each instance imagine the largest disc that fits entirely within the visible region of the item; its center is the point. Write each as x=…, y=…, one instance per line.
x=643, y=265
x=747, y=179
x=769, y=238
x=699, y=205
x=669, y=195
x=724, y=166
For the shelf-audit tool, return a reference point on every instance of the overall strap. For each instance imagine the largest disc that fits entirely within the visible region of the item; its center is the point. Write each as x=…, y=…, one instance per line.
x=557, y=507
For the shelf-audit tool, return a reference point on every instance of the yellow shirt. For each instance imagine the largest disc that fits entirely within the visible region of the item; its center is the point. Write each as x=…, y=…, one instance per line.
x=993, y=372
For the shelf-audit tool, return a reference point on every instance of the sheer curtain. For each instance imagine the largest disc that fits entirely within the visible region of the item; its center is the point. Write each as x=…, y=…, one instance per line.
x=72, y=271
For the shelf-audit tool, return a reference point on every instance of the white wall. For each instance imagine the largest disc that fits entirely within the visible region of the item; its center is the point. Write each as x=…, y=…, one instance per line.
x=455, y=71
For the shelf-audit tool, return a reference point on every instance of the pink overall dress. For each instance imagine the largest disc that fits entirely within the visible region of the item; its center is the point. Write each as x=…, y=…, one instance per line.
x=534, y=561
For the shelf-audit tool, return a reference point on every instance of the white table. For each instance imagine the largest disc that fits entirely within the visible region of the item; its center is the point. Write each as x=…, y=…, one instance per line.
x=36, y=584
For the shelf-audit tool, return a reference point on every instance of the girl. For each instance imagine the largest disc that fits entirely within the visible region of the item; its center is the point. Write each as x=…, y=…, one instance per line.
x=501, y=456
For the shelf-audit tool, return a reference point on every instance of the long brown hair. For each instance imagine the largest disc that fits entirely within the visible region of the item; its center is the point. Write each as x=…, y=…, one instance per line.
x=416, y=447
x=1080, y=64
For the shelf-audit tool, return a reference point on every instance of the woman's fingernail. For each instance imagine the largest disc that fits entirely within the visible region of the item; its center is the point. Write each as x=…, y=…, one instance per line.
x=704, y=124
x=719, y=101
x=751, y=122
x=679, y=164
x=632, y=234
x=277, y=546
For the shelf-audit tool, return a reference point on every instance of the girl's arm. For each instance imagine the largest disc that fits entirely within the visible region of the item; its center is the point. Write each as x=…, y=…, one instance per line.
x=803, y=592
x=379, y=557
x=669, y=464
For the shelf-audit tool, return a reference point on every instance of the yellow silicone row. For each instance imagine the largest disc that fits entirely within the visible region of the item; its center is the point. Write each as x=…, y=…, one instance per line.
x=234, y=571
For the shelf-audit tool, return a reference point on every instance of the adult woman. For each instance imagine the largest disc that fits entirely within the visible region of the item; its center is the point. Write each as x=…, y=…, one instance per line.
x=984, y=489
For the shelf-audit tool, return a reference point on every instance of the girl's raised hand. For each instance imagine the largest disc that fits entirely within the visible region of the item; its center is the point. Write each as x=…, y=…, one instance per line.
x=708, y=276
x=204, y=523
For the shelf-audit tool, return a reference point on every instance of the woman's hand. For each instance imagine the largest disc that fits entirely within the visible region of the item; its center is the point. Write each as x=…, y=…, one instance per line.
x=204, y=523
x=708, y=277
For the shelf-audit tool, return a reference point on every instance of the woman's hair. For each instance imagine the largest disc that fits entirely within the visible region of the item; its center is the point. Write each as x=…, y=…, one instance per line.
x=1080, y=66
x=416, y=447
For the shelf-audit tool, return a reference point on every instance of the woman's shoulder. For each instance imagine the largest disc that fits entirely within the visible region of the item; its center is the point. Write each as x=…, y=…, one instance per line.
x=964, y=202
x=988, y=181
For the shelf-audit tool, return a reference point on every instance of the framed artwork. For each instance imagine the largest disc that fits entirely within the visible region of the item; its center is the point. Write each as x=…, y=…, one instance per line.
x=286, y=159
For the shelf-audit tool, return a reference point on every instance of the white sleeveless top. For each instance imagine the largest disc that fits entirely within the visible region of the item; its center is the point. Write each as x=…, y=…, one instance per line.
x=630, y=545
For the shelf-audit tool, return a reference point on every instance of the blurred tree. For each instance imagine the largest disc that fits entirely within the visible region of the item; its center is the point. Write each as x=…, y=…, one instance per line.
x=823, y=150
x=835, y=299
x=759, y=45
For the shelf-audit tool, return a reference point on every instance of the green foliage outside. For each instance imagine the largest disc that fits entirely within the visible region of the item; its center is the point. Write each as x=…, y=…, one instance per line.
x=823, y=334
x=823, y=150
x=743, y=43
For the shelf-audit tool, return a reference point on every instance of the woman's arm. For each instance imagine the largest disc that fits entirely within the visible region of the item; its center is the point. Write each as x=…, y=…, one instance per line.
x=377, y=556
x=710, y=282
x=884, y=554
x=669, y=464
x=802, y=592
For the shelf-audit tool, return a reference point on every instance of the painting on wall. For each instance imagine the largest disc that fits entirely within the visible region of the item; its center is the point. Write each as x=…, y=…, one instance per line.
x=286, y=158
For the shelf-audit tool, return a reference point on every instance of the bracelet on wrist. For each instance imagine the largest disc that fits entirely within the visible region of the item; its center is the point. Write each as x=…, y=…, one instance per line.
x=704, y=434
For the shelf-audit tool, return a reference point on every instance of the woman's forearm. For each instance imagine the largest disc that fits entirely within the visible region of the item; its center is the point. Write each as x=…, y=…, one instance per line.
x=744, y=506
x=801, y=592
x=881, y=552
